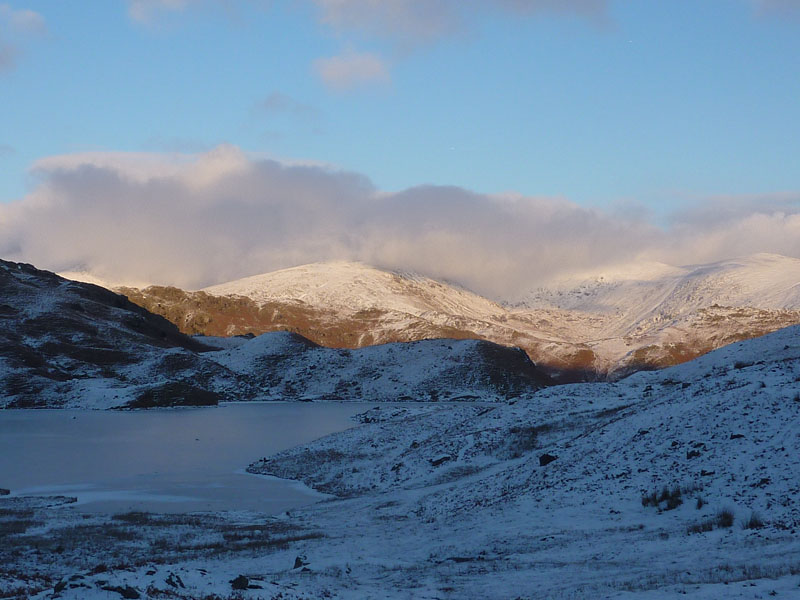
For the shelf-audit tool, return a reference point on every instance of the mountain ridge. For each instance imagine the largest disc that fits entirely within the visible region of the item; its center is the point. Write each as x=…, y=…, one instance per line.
x=637, y=316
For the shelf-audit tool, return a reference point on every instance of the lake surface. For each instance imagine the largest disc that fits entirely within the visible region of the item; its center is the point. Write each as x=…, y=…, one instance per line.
x=172, y=460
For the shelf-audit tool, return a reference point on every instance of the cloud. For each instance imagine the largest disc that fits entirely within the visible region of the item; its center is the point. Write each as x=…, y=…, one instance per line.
x=778, y=7
x=404, y=21
x=22, y=20
x=6, y=150
x=195, y=220
x=418, y=18
x=19, y=25
x=278, y=103
x=143, y=11
x=8, y=56
x=430, y=19
x=352, y=69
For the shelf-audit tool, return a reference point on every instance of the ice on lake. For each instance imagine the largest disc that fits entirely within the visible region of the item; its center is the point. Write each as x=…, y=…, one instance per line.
x=175, y=460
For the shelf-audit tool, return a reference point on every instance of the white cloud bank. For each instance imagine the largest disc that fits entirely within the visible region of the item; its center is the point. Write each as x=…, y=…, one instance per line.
x=195, y=220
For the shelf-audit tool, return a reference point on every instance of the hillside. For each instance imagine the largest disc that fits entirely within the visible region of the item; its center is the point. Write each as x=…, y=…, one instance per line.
x=668, y=484
x=286, y=366
x=563, y=495
x=599, y=325
x=64, y=343
x=71, y=344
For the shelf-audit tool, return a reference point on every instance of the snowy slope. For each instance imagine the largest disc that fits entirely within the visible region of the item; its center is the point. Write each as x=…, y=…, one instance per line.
x=286, y=366
x=353, y=287
x=462, y=498
x=549, y=496
x=640, y=291
x=64, y=343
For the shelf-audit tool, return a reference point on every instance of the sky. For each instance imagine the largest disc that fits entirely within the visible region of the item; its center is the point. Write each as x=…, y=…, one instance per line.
x=495, y=143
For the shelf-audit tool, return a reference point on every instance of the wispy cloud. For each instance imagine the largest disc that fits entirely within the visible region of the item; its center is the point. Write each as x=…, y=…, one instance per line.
x=425, y=20
x=280, y=104
x=6, y=150
x=15, y=26
x=22, y=20
x=8, y=55
x=143, y=11
x=194, y=220
x=778, y=7
x=352, y=69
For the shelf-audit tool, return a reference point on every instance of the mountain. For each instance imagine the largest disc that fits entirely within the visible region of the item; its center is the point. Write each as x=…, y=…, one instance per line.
x=70, y=344
x=64, y=343
x=666, y=484
x=597, y=325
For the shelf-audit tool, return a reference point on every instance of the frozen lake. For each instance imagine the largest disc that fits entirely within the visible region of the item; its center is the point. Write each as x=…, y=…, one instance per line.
x=173, y=460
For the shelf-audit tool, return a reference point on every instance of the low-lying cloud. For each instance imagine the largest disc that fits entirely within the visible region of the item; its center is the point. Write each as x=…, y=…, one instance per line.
x=196, y=220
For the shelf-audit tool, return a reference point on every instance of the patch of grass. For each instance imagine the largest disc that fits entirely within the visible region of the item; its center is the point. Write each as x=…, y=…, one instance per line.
x=134, y=518
x=16, y=526
x=523, y=439
x=671, y=498
x=722, y=520
x=753, y=521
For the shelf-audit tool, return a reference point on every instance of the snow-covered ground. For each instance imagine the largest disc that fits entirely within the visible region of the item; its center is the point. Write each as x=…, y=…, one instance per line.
x=682, y=482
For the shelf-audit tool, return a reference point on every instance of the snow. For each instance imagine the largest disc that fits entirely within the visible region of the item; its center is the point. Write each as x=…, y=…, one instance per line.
x=353, y=287
x=766, y=281
x=451, y=500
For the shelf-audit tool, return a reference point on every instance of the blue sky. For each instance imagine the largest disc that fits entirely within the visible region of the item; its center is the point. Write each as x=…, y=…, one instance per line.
x=656, y=114
x=643, y=101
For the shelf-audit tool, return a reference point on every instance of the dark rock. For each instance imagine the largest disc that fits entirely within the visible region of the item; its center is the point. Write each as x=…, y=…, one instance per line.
x=704, y=473
x=240, y=583
x=178, y=393
x=737, y=436
x=4, y=492
x=435, y=462
x=692, y=454
x=127, y=591
x=175, y=581
x=300, y=561
x=546, y=459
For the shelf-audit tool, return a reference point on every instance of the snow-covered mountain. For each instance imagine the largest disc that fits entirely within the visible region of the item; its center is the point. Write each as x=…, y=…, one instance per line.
x=71, y=344
x=643, y=292
x=611, y=322
x=64, y=343
x=348, y=287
